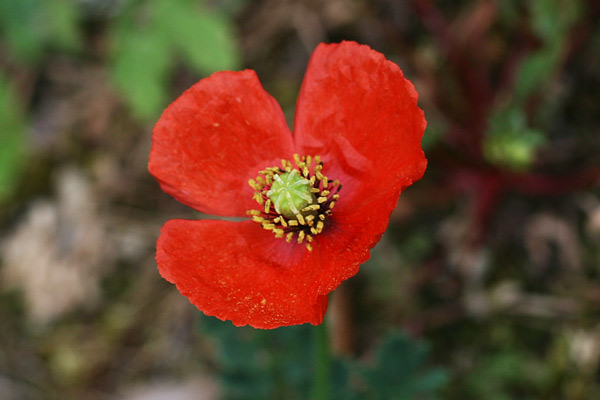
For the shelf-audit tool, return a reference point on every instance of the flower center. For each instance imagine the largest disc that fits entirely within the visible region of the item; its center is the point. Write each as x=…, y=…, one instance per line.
x=296, y=199
x=290, y=193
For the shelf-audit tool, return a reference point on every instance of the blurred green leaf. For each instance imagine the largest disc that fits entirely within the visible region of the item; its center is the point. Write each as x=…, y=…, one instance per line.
x=510, y=142
x=150, y=36
x=30, y=26
x=204, y=37
x=400, y=372
x=62, y=17
x=19, y=24
x=140, y=70
x=263, y=364
x=504, y=375
x=551, y=20
x=12, y=140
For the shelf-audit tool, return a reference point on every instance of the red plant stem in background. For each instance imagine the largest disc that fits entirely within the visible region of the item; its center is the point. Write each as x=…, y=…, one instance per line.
x=547, y=185
x=485, y=183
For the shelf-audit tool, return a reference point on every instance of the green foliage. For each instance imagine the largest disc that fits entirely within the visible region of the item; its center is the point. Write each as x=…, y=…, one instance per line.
x=140, y=69
x=279, y=364
x=504, y=375
x=510, y=142
x=551, y=21
x=261, y=364
x=400, y=372
x=150, y=37
x=29, y=27
x=12, y=140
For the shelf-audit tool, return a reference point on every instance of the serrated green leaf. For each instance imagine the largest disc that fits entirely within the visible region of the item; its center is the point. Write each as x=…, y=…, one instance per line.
x=257, y=364
x=140, y=71
x=12, y=140
x=400, y=372
x=204, y=37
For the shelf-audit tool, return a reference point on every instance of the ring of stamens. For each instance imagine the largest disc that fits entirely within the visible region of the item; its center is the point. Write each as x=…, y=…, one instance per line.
x=310, y=220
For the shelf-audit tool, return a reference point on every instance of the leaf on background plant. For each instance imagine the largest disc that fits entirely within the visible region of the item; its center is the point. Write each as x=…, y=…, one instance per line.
x=400, y=372
x=149, y=37
x=20, y=29
x=500, y=375
x=510, y=142
x=140, y=71
x=258, y=365
x=12, y=140
x=62, y=19
x=551, y=20
x=204, y=37
x=30, y=26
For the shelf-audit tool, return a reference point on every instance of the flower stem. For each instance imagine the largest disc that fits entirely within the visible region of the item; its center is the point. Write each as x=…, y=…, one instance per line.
x=322, y=370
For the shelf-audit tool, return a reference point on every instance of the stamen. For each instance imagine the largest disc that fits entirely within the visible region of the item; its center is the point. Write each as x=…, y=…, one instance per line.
x=295, y=199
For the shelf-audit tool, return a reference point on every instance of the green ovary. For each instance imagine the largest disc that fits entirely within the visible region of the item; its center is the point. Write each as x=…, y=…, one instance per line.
x=290, y=193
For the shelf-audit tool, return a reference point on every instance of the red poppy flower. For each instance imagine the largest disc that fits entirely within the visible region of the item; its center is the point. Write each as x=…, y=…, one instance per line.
x=224, y=148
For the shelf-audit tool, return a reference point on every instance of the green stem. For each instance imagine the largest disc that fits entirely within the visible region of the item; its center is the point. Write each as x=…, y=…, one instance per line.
x=321, y=382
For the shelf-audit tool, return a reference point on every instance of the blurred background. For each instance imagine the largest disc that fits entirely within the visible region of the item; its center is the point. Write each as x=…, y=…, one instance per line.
x=484, y=287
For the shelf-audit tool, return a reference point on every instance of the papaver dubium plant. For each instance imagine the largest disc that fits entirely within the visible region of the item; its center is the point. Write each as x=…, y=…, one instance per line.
x=313, y=202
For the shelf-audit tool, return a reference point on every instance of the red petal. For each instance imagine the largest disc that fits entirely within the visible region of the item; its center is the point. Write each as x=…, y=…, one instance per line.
x=238, y=271
x=360, y=114
x=214, y=138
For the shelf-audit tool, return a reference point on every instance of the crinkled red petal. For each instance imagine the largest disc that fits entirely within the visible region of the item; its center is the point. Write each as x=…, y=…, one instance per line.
x=360, y=114
x=238, y=271
x=214, y=138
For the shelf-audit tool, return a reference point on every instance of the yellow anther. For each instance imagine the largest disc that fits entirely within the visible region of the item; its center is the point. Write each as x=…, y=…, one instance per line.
x=312, y=207
x=310, y=220
x=254, y=185
x=320, y=226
